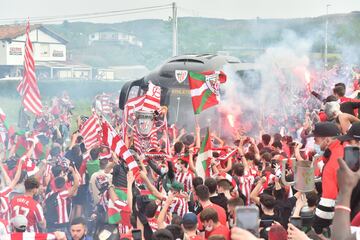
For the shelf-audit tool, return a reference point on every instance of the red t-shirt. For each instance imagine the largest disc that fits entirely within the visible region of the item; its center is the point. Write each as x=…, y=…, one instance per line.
x=31, y=209
x=221, y=215
x=220, y=230
x=197, y=237
x=329, y=179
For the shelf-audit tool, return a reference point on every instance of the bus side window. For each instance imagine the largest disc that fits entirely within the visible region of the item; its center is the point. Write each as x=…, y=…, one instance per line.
x=134, y=92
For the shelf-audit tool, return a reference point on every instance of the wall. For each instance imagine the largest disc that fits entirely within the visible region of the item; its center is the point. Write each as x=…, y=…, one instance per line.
x=3, y=56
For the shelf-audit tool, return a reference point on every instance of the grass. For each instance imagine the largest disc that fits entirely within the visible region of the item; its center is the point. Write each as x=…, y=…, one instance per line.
x=11, y=107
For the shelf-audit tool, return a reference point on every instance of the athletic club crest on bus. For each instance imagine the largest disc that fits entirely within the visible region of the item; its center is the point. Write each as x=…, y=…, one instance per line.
x=181, y=75
x=213, y=83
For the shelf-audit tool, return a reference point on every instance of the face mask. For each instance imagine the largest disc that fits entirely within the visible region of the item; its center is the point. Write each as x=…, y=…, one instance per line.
x=208, y=228
x=318, y=149
x=163, y=170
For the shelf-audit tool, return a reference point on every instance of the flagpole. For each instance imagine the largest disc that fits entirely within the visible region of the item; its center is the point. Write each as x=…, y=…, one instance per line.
x=177, y=110
x=197, y=121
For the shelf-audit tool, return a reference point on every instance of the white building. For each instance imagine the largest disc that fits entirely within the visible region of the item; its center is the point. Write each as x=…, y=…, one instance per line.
x=113, y=36
x=47, y=45
x=49, y=54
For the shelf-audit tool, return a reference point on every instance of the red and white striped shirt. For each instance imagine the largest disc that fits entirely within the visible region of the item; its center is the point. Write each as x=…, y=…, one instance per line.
x=245, y=185
x=62, y=206
x=29, y=236
x=4, y=203
x=31, y=209
x=185, y=178
x=179, y=206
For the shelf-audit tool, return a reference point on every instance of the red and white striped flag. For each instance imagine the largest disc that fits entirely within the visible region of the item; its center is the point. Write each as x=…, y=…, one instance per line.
x=112, y=139
x=90, y=131
x=28, y=88
x=152, y=98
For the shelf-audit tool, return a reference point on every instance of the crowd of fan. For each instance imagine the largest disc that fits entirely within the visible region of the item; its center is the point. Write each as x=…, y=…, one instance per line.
x=70, y=192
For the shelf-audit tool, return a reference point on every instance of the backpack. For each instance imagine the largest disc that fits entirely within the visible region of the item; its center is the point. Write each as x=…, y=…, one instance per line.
x=50, y=211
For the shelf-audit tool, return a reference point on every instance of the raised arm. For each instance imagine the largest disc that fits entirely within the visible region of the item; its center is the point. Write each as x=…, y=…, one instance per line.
x=75, y=186
x=256, y=149
x=297, y=152
x=214, y=136
x=197, y=136
x=241, y=152
x=130, y=181
x=254, y=195
x=347, y=180
x=151, y=187
x=191, y=160
x=164, y=210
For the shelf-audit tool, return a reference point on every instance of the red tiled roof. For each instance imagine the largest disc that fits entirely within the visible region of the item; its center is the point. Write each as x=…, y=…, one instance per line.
x=13, y=31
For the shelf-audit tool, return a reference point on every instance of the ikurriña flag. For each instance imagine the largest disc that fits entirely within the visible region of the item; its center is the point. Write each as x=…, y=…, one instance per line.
x=28, y=87
x=203, y=160
x=205, y=89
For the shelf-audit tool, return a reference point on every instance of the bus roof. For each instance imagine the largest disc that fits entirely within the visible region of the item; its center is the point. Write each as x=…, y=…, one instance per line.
x=164, y=75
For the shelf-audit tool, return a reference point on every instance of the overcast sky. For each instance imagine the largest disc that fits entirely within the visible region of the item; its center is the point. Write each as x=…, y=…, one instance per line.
x=229, y=9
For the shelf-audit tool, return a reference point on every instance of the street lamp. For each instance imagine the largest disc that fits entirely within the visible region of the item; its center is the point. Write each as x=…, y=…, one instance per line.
x=326, y=36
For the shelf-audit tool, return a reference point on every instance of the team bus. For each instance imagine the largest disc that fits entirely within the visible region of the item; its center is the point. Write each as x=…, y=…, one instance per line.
x=175, y=92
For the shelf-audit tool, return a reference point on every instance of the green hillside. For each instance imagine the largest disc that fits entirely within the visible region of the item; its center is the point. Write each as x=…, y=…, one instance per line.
x=242, y=38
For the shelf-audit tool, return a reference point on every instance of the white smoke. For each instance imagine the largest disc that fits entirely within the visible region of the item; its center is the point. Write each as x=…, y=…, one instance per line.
x=270, y=84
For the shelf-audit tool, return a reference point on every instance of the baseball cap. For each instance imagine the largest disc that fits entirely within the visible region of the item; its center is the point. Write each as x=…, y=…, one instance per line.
x=19, y=222
x=189, y=219
x=325, y=129
x=353, y=133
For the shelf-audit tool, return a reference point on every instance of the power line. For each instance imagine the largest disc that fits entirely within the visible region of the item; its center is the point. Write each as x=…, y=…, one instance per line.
x=91, y=15
x=98, y=16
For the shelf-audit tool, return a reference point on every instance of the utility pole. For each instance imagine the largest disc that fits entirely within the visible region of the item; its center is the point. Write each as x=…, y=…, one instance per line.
x=174, y=22
x=326, y=38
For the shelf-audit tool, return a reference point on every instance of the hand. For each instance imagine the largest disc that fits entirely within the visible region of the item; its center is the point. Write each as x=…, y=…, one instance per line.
x=130, y=178
x=142, y=157
x=239, y=234
x=295, y=234
x=347, y=179
x=301, y=201
x=263, y=180
x=191, y=150
x=93, y=216
x=60, y=235
x=298, y=145
x=182, y=131
x=71, y=169
x=170, y=197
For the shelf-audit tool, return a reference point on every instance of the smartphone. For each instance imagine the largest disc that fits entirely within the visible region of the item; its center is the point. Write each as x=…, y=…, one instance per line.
x=136, y=234
x=352, y=157
x=247, y=217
